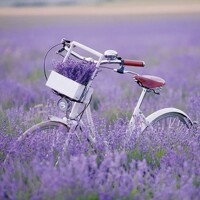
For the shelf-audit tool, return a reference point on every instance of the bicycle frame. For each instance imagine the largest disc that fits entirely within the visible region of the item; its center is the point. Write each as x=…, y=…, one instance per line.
x=138, y=120
x=137, y=115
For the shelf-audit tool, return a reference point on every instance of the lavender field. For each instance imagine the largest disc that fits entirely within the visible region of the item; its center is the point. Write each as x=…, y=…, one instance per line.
x=153, y=167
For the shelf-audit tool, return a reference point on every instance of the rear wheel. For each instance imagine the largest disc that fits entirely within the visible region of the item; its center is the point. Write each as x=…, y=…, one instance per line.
x=169, y=129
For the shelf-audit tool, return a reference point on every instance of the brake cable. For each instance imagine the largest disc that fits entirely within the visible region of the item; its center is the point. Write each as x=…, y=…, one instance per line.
x=45, y=57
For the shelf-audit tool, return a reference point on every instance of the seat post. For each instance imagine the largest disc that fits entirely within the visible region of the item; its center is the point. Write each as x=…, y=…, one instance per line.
x=140, y=100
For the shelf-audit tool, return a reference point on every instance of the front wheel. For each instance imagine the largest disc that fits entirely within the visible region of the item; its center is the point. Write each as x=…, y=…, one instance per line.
x=169, y=126
x=44, y=141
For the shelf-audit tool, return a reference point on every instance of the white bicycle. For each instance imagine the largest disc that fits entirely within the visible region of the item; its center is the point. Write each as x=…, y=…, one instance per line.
x=52, y=137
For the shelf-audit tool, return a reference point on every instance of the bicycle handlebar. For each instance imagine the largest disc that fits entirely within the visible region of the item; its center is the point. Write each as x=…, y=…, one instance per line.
x=118, y=60
x=127, y=62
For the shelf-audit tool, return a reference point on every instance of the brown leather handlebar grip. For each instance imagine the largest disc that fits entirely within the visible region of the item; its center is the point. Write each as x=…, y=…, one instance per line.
x=134, y=63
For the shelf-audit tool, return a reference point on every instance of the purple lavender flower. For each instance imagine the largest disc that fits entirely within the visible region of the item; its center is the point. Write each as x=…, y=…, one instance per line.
x=156, y=165
x=79, y=71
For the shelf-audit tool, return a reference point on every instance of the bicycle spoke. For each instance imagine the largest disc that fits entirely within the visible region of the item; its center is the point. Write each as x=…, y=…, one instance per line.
x=170, y=129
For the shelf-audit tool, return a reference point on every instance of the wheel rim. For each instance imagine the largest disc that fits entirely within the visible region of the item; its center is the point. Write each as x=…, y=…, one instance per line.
x=169, y=130
x=44, y=141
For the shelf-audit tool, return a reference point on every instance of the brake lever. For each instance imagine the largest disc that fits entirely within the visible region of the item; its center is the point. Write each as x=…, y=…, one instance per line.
x=124, y=71
x=120, y=70
x=65, y=41
x=60, y=50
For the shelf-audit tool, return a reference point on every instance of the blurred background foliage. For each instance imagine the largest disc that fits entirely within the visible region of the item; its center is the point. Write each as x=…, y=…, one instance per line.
x=77, y=2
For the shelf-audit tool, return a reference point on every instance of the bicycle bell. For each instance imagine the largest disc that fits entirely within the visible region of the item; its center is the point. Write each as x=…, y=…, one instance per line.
x=110, y=54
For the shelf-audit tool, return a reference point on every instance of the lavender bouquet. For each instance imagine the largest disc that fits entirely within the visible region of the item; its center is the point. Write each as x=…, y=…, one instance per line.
x=79, y=71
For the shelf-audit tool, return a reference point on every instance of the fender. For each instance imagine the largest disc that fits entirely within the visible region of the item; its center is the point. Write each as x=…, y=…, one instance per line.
x=59, y=120
x=67, y=122
x=163, y=111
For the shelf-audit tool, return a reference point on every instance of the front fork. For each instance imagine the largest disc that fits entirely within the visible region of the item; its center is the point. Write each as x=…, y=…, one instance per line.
x=70, y=123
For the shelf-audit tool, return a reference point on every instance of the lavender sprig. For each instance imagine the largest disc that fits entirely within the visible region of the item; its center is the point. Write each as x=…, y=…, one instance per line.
x=79, y=71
